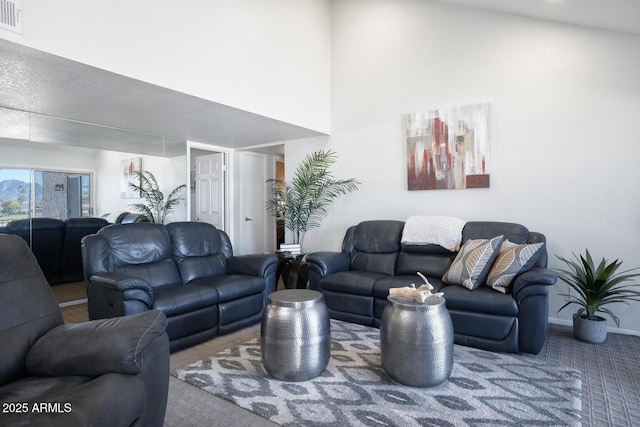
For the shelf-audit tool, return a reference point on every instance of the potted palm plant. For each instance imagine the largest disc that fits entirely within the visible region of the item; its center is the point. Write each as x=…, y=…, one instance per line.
x=305, y=201
x=596, y=286
x=155, y=207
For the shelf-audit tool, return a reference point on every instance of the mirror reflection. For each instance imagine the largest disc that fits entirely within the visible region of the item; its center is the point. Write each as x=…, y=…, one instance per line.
x=57, y=174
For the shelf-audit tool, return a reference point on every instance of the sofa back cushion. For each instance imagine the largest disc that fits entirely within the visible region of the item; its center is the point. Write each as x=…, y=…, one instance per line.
x=430, y=260
x=515, y=233
x=375, y=246
x=198, y=249
x=142, y=250
x=74, y=230
x=44, y=237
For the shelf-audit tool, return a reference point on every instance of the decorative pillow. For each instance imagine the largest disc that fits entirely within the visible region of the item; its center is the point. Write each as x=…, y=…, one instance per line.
x=512, y=260
x=471, y=265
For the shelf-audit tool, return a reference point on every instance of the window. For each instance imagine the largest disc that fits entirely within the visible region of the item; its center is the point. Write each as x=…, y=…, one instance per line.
x=28, y=193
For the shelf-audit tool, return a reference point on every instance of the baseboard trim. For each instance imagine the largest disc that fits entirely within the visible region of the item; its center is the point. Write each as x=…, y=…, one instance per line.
x=613, y=330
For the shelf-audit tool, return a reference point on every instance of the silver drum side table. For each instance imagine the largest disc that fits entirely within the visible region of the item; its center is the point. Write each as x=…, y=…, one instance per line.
x=416, y=342
x=295, y=337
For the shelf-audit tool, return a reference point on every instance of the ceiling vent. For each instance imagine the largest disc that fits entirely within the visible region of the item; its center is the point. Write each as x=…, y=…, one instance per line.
x=11, y=15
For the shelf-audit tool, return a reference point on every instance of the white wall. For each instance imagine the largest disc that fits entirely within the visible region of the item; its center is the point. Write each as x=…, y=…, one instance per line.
x=270, y=57
x=565, y=123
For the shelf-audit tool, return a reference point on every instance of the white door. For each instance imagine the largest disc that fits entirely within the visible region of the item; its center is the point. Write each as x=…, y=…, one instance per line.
x=210, y=189
x=252, y=175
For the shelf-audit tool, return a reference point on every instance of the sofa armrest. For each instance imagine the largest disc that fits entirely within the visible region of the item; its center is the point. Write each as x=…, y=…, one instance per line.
x=255, y=265
x=131, y=287
x=120, y=282
x=97, y=347
x=537, y=275
x=329, y=262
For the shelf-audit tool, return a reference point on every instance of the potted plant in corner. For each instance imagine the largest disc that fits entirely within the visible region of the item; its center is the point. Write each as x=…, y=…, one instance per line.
x=155, y=207
x=596, y=287
x=305, y=201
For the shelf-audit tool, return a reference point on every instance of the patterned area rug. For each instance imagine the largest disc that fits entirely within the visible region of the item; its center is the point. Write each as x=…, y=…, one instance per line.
x=485, y=389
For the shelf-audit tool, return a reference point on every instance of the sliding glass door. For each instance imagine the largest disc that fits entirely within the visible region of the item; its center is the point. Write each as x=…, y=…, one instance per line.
x=26, y=193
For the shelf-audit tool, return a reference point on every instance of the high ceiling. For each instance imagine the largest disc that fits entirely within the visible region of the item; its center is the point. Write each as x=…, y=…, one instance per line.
x=105, y=109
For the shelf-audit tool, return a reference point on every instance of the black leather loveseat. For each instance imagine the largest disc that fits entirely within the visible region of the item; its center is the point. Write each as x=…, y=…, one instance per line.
x=356, y=281
x=111, y=372
x=56, y=243
x=185, y=269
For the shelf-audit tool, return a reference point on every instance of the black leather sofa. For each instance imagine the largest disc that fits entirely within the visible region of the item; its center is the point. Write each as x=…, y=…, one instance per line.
x=356, y=281
x=112, y=372
x=56, y=244
x=129, y=218
x=185, y=269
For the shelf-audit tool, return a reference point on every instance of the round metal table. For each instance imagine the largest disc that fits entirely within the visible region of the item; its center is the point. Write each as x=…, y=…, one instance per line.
x=416, y=341
x=295, y=337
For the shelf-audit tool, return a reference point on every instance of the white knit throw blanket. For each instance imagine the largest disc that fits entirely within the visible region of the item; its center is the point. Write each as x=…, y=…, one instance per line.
x=445, y=231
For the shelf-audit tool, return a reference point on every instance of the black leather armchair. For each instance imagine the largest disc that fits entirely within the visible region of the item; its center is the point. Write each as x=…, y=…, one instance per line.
x=112, y=372
x=185, y=269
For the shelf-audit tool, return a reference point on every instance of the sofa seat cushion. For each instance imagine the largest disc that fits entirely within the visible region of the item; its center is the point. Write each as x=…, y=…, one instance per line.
x=352, y=282
x=78, y=400
x=178, y=299
x=382, y=286
x=233, y=286
x=481, y=300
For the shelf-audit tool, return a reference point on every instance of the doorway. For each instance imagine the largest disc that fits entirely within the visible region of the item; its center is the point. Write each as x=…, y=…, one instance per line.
x=256, y=227
x=208, y=186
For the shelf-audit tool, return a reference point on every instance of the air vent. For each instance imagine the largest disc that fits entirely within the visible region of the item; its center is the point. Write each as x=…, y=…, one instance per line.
x=11, y=15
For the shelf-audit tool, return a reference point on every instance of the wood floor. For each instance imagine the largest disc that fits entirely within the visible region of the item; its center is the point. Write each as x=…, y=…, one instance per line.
x=67, y=292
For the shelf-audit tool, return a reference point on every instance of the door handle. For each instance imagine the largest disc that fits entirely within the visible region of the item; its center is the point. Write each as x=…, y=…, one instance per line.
x=247, y=219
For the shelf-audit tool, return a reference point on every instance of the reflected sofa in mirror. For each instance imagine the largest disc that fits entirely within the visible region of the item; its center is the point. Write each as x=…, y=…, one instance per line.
x=56, y=173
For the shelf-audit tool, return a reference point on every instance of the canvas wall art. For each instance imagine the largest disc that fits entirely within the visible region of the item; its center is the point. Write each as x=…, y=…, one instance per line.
x=448, y=148
x=127, y=169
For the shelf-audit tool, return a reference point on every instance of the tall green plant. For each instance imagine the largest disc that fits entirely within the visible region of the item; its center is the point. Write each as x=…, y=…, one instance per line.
x=597, y=286
x=155, y=207
x=305, y=201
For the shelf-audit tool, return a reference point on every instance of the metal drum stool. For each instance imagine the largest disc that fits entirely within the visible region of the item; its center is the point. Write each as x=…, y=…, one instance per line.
x=295, y=338
x=416, y=342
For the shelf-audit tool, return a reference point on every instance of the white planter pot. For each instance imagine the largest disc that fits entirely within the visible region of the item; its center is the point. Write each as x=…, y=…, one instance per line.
x=593, y=331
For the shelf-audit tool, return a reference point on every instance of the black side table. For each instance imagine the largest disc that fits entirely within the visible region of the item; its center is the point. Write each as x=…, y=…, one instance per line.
x=293, y=270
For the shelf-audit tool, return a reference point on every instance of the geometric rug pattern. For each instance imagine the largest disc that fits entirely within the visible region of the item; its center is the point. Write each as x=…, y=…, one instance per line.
x=484, y=389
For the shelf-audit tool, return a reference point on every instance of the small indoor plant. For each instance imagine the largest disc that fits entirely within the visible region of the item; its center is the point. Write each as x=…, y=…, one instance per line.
x=596, y=287
x=304, y=201
x=155, y=207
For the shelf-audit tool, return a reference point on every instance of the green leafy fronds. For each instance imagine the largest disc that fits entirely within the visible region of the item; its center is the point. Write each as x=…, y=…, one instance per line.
x=304, y=201
x=155, y=207
x=598, y=285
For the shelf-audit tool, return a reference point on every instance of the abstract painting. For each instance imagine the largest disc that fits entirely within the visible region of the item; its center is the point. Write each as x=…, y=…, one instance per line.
x=448, y=148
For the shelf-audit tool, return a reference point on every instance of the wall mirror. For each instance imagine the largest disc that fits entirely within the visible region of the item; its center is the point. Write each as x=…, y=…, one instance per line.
x=58, y=168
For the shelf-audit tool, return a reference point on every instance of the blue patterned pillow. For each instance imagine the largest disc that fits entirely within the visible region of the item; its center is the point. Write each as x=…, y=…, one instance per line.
x=512, y=260
x=473, y=262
